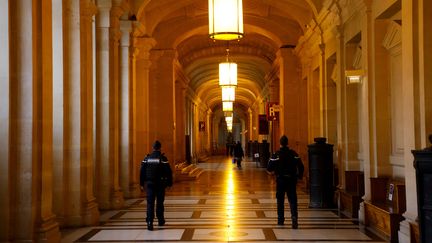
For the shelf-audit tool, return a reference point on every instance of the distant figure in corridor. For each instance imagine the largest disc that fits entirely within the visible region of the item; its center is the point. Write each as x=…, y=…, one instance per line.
x=288, y=167
x=156, y=174
x=238, y=154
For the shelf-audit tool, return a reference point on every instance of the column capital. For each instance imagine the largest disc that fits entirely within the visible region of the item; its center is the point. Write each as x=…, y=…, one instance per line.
x=115, y=34
x=142, y=47
x=125, y=29
x=88, y=9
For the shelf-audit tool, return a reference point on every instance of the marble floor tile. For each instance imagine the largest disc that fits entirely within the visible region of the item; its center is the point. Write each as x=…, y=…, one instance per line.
x=320, y=234
x=228, y=234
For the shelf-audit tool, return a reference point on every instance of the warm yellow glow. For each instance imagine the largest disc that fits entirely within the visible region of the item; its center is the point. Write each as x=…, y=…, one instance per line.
x=230, y=205
x=227, y=73
x=229, y=119
x=225, y=19
x=227, y=106
x=354, y=76
x=228, y=93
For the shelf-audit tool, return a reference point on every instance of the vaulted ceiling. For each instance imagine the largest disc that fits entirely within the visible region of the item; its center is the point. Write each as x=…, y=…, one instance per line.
x=183, y=25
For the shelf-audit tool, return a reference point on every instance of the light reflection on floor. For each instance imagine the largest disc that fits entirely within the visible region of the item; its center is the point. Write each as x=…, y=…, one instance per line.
x=225, y=204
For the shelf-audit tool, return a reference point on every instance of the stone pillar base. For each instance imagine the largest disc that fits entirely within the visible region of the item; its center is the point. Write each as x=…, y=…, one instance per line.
x=90, y=214
x=408, y=232
x=361, y=215
x=117, y=200
x=134, y=191
x=48, y=231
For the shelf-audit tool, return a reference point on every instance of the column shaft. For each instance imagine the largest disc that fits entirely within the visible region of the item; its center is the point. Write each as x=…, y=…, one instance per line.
x=162, y=107
x=5, y=100
x=31, y=216
x=109, y=194
x=128, y=169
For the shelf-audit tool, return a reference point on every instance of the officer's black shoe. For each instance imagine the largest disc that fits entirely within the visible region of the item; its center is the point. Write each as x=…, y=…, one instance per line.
x=161, y=222
x=295, y=225
x=150, y=225
x=280, y=222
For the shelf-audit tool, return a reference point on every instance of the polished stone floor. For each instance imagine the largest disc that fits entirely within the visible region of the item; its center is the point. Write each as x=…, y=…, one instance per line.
x=225, y=204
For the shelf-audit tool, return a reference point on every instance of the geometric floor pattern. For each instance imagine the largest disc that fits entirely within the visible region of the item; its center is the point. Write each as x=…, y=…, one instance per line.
x=225, y=204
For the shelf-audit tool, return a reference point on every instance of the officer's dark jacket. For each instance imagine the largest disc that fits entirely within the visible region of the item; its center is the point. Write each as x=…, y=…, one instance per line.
x=155, y=169
x=286, y=163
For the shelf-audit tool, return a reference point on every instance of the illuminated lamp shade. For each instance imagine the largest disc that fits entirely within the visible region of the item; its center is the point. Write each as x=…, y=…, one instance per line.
x=225, y=19
x=227, y=106
x=227, y=73
x=229, y=120
x=228, y=93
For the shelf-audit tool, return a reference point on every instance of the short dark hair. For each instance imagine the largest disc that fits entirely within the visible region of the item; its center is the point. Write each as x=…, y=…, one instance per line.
x=284, y=140
x=157, y=145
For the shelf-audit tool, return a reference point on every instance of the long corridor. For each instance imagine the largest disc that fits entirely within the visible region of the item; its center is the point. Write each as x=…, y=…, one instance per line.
x=225, y=204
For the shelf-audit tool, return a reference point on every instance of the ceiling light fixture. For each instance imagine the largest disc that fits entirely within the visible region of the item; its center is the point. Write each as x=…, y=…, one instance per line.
x=225, y=19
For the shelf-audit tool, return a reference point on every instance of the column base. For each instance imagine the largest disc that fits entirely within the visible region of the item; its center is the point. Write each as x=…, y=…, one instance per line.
x=48, y=231
x=90, y=213
x=361, y=215
x=116, y=200
x=134, y=191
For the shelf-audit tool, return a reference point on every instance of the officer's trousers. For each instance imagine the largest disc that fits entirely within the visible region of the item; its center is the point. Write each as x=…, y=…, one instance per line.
x=286, y=186
x=156, y=193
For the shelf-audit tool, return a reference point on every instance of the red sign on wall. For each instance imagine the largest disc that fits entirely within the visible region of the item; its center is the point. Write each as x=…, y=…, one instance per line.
x=272, y=111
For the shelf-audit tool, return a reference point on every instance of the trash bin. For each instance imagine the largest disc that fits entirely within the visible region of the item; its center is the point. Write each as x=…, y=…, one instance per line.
x=264, y=151
x=423, y=167
x=320, y=156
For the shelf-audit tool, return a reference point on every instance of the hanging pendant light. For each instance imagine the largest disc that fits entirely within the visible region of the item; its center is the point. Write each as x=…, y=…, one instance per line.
x=225, y=19
x=227, y=106
x=227, y=72
x=228, y=93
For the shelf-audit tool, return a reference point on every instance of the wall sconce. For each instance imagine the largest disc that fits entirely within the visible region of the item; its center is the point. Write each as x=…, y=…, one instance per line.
x=354, y=76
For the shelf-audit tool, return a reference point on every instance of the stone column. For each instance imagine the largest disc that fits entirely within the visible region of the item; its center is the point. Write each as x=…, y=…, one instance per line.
x=162, y=107
x=366, y=110
x=208, y=130
x=5, y=121
x=128, y=168
x=108, y=191
x=414, y=49
x=29, y=215
x=180, y=119
x=140, y=98
x=275, y=131
x=289, y=96
x=73, y=114
x=341, y=146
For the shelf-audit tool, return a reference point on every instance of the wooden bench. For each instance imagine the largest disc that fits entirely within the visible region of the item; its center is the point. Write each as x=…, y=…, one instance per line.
x=351, y=195
x=384, y=212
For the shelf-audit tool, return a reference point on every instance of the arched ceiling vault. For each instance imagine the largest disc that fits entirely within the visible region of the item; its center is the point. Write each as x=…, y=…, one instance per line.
x=183, y=26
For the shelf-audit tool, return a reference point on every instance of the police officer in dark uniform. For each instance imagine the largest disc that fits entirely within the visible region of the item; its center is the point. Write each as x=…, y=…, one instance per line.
x=288, y=167
x=156, y=174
